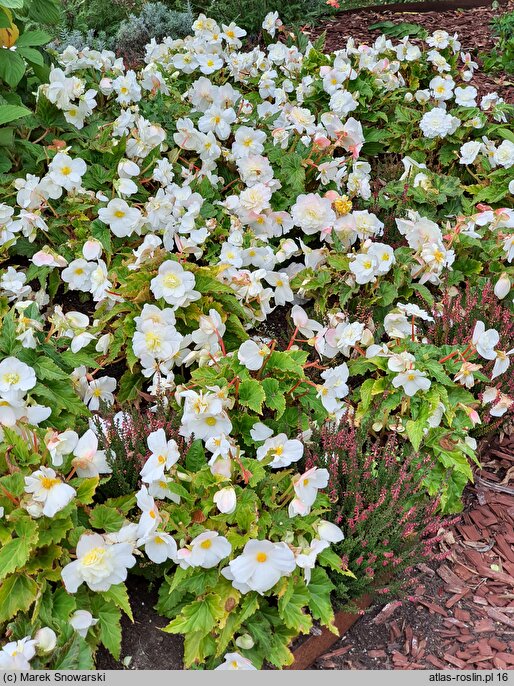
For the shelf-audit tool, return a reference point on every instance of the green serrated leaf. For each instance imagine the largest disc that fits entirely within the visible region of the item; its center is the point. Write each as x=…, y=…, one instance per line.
x=252, y=395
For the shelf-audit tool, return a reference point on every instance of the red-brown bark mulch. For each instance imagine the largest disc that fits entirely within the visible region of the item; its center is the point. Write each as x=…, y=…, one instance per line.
x=472, y=26
x=461, y=613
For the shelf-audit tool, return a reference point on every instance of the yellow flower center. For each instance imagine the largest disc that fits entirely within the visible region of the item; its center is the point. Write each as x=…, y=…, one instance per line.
x=206, y=544
x=161, y=459
x=49, y=483
x=210, y=421
x=65, y=171
x=171, y=280
x=261, y=557
x=119, y=214
x=93, y=557
x=12, y=378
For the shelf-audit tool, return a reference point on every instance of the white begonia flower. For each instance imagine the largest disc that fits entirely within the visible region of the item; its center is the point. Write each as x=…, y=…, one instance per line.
x=45, y=639
x=159, y=547
x=312, y=213
x=60, y=445
x=307, y=327
x=260, y=566
x=45, y=258
x=100, y=390
x=260, y=432
x=501, y=406
x=88, y=461
x=469, y=152
x=100, y=565
x=248, y=142
x=465, y=374
x=271, y=22
x=334, y=387
x=364, y=267
x=442, y=88
x=307, y=560
x=437, y=123
x=328, y=531
x=164, y=454
x=225, y=500
x=252, y=355
x=49, y=491
x=282, y=451
x=235, y=661
x=306, y=488
x=92, y=249
x=504, y=154
x=412, y=310
x=16, y=655
x=501, y=363
x=217, y=121
x=16, y=376
x=66, y=172
x=466, y=97
x=82, y=621
x=397, y=325
x=122, y=219
x=485, y=341
x=384, y=255
x=174, y=284
x=150, y=517
x=245, y=642
x=78, y=275
x=503, y=285
x=412, y=381
x=208, y=549
x=400, y=362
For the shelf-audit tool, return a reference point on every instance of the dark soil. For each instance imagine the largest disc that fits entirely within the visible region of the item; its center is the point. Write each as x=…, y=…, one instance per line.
x=144, y=646
x=472, y=26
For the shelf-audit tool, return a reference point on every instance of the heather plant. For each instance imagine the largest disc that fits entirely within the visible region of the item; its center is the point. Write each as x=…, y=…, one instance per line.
x=377, y=495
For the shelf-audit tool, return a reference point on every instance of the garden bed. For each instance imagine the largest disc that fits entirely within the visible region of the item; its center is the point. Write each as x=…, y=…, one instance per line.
x=292, y=327
x=472, y=26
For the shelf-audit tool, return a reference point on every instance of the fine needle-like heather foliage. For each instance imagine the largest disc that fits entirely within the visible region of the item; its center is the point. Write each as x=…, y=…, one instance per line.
x=255, y=312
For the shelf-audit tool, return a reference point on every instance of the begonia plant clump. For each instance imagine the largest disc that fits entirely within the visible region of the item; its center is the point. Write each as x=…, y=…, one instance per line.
x=205, y=261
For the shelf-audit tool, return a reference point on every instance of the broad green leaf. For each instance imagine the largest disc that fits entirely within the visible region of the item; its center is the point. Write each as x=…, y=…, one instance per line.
x=415, y=432
x=15, y=553
x=195, y=456
x=291, y=606
x=109, y=618
x=252, y=395
x=74, y=655
x=33, y=38
x=10, y=113
x=44, y=11
x=106, y=518
x=200, y=616
x=12, y=67
x=85, y=488
x=119, y=596
x=197, y=647
x=319, y=588
x=17, y=593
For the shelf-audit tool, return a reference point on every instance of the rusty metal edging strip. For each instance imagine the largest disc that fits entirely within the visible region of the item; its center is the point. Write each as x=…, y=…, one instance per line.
x=308, y=652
